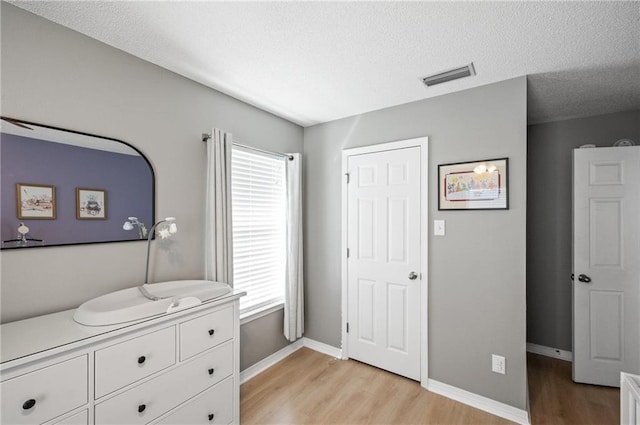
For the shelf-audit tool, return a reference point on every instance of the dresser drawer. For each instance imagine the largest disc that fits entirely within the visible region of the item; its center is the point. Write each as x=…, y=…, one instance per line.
x=202, y=333
x=157, y=396
x=44, y=394
x=132, y=360
x=214, y=406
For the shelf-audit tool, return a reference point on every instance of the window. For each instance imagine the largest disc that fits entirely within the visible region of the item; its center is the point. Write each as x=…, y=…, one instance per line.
x=258, y=197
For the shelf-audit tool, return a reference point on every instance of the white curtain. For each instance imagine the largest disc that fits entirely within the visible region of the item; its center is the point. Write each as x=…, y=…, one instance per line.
x=218, y=226
x=294, y=296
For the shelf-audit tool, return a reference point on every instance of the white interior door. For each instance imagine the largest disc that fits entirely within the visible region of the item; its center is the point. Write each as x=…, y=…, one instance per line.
x=384, y=262
x=606, y=264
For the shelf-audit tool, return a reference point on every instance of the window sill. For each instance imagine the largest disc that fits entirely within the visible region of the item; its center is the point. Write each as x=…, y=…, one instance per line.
x=256, y=314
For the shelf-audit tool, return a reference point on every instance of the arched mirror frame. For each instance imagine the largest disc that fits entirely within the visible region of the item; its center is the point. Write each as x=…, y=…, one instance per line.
x=131, y=236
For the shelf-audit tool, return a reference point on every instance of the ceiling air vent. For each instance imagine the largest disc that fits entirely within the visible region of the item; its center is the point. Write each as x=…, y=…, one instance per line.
x=452, y=74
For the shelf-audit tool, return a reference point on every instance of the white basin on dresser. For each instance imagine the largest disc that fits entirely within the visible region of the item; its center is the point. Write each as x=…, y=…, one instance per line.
x=171, y=369
x=130, y=304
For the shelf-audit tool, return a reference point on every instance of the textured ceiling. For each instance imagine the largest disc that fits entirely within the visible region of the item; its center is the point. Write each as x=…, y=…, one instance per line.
x=312, y=62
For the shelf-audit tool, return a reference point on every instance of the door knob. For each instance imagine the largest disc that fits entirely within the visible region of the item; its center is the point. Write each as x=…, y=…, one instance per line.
x=584, y=278
x=413, y=276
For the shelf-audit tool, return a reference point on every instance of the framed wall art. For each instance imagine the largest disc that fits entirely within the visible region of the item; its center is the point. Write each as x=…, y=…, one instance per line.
x=477, y=185
x=91, y=204
x=36, y=201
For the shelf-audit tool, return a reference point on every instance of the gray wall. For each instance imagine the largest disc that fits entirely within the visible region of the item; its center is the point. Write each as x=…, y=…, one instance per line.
x=476, y=272
x=56, y=76
x=261, y=336
x=549, y=263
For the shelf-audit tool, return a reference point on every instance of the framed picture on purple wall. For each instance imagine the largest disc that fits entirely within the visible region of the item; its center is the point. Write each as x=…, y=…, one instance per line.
x=36, y=201
x=91, y=204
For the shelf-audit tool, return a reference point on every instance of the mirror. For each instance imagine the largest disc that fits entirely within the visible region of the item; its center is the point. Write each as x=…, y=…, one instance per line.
x=62, y=187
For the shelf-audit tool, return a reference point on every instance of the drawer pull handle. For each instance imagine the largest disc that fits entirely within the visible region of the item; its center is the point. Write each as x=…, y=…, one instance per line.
x=141, y=408
x=211, y=371
x=211, y=416
x=211, y=332
x=28, y=404
x=141, y=359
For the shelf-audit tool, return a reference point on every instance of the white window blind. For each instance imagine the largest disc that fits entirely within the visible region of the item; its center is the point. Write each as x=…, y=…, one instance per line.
x=258, y=193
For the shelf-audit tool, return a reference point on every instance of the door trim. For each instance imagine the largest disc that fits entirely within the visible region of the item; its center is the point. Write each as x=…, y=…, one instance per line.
x=421, y=142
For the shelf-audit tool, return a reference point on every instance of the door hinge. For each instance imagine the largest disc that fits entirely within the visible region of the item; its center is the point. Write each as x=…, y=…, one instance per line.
x=347, y=252
x=347, y=327
x=347, y=174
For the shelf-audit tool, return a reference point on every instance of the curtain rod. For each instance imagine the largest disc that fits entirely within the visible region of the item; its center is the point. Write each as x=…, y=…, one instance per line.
x=207, y=136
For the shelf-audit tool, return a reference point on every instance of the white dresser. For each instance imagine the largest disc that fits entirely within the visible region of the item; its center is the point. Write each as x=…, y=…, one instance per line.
x=180, y=368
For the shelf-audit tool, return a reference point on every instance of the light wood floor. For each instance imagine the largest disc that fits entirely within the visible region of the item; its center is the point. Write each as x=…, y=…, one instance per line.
x=556, y=399
x=310, y=388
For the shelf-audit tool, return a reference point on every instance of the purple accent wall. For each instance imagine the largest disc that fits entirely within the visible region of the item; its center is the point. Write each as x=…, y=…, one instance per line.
x=128, y=181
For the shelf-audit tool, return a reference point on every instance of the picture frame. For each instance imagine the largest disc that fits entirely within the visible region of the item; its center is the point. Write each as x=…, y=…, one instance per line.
x=474, y=185
x=91, y=204
x=36, y=201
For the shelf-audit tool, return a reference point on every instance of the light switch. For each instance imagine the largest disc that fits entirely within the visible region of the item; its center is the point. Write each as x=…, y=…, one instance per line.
x=438, y=227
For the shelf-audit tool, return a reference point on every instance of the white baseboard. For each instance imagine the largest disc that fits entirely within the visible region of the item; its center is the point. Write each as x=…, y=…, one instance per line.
x=285, y=352
x=267, y=362
x=556, y=353
x=479, y=402
x=323, y=348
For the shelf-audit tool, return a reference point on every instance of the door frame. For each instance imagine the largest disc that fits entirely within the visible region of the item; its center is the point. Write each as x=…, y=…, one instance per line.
x=421, y=142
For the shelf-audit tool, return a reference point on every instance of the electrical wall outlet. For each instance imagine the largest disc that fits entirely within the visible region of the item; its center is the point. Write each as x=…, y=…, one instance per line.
x=498, y=364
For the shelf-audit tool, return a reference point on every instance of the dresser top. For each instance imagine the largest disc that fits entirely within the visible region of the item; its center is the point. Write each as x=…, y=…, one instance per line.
x=43, y=333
